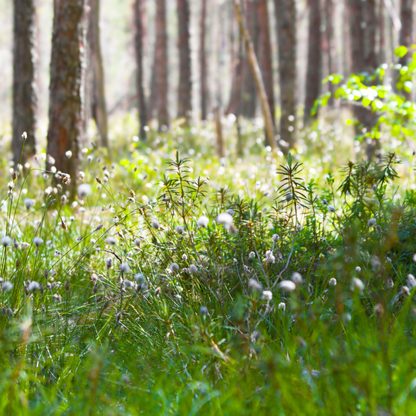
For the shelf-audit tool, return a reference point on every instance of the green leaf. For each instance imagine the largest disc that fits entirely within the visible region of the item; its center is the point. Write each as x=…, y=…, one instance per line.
x=400, y=51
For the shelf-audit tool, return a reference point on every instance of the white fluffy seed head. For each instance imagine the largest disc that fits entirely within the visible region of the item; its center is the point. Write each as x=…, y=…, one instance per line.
x=357, y=285
x=84, y=190
x=252, y=255
x=37, y=241
x=287, y=286
x=110, y=241
x=174, y=267
x=179, y=229
x=5, y=241
x=137, y=242
x=224, y=219
x=282, y=306
x=124, y=267
x=267, y=295
x=109, y=263
x=297, y=278
x=202, y=221
x=331, y=208
x=28, y=203
x=332, y=282
x=33, y=286
x=155, y=224
x=358, y=269
x=255, y=285
x=275, y=238
x=372, y=222
x=6, y=286
x=230, y=212
x=193, y=269
x=411, y=281
x=139, y=278
x=127, y=283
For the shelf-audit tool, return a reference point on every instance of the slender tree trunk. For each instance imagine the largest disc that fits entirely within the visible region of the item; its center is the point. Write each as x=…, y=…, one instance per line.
x=152, y=101
x=249, y=86
x=24, y=81
x=203, y=62
x=363, y=24
x=314, y=68
x=185, y=78
x=161, y=64
x=346, y=43
x=266, y=55
x=138, y=9
x=286, y=37
x=66, y=86
x=235, y=104
x=98, y=102
x=331, y=55
x=261, y=91
x=382, y=33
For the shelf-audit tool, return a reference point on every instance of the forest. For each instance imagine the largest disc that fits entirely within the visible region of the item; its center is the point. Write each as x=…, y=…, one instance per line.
x=208, y=207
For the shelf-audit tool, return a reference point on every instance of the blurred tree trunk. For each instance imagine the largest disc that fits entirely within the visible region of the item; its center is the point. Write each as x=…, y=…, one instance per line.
x=152, y=100
x=66, y=85
x=382, y=32
x=330, y=40
x=286, y=36
x=346, y=44
x=24, y=81
x=363, y=27
x=185, y=78
x=249, y=98
x=138, y=10
x=234, y=106
x=266, y=56
x=203, y=62
x=406, y=35
x=161, y=64
x=98, y=102
x=314, y=68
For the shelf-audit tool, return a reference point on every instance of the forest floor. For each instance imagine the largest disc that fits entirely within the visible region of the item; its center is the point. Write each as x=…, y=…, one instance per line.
x=180, y=283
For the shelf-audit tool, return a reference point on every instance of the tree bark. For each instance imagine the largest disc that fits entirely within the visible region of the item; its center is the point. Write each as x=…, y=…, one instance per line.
x=249, y=97
x=382, y=33
x=267, y=116
x=330, y=39
x=314, y=66
x=286, y=36
x=203, y=62
x=266, y=55
x=138, y=9
x=185, y=78
x=66, y=85
x=161, y=64
x=24, y=81
x=363, y=25
x=98, y=102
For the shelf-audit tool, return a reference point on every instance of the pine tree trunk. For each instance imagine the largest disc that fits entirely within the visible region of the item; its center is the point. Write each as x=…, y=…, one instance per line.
x=185, y=80
x=314, y=68
x=249, y=99
x=139, y=71
x=286, y=37
x=363, y=25
x=66, y=85
x=203, y=62
x=266, y=55
x=152, y=101
x=161, y=64
x=329, y=33
x=24, y=81
x=382, y=32
x=98, y=102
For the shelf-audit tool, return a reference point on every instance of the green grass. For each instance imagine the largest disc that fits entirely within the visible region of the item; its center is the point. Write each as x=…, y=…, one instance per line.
x=95, y=340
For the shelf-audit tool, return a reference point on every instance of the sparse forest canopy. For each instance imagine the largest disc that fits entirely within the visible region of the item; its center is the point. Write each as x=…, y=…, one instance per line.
x=208, y=207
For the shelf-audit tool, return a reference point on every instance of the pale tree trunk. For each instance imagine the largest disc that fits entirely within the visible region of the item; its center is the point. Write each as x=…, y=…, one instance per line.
x=185, y=78
x=161, y=64
x=363, y=25
x=66, y=85
x=314, y=66
x=95, y=60
x=261, y=91
x=249, y=97
x=330, y=39
x=266, y=55
x=24, y=81
x=138, y=10
x=286, y=37
x=203, y=62
x=382, y=32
